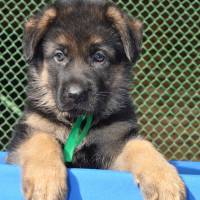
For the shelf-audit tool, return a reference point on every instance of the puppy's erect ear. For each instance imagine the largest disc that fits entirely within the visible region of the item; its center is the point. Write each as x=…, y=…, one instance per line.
x=130, y=30
x=35, y=28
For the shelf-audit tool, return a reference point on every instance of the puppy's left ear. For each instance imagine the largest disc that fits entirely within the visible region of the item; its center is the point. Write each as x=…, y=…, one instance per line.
x=130, y=30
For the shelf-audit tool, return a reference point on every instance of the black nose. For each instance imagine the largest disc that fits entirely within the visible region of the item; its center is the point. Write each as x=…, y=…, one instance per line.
x=76, y=93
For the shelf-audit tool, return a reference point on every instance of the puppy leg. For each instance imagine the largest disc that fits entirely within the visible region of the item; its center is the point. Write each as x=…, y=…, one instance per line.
x=157, y=179
x=44, y=173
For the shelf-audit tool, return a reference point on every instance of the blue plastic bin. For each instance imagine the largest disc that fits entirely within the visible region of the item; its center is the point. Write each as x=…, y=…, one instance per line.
x=87, y=184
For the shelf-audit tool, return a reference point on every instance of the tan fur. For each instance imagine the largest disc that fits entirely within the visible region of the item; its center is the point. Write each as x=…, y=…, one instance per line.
x=44, y=173
x=48, y=16
x=42, y=124
x=95, y=39
x=115, y=14
x=64, y=39
x=30, y=23
x=68, y=41
x=44, y=75
x=157, y=178
x=41, y=24
x=136, y=25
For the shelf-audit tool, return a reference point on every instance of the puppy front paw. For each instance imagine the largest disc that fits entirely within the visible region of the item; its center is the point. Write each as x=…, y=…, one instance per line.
x=161, y=183
x=42, y=181
x=157, y=179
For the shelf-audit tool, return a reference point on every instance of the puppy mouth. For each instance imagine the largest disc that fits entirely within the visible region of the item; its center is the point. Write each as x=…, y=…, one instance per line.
x=74, y=113
x=75, y=108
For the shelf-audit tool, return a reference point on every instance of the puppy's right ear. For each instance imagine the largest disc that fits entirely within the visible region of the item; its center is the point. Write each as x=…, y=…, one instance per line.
x=35, y=28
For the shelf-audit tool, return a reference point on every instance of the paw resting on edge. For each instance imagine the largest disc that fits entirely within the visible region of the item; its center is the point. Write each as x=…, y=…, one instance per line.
x=161, y=184
x=44, y=182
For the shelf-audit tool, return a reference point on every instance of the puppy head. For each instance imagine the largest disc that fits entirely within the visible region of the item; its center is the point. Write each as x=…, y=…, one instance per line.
x=80, y=54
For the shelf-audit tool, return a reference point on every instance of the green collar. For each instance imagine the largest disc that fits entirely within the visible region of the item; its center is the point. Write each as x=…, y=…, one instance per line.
x=76, y=136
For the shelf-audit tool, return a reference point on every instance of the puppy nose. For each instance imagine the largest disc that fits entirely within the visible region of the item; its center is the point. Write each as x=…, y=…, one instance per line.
x=75, y=92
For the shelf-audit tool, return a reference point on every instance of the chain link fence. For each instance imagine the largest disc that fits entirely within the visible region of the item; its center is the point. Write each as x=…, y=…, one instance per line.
x=166, y=84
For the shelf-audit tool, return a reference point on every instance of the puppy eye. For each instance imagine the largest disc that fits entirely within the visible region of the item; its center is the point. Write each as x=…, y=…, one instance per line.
x=59, y=56
x=99, y=57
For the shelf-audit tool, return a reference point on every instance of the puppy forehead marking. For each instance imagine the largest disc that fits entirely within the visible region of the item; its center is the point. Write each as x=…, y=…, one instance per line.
x=64, y=39
x=95, y=39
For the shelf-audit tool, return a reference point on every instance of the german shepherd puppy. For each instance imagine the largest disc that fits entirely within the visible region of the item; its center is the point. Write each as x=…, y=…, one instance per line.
x=80, y=55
